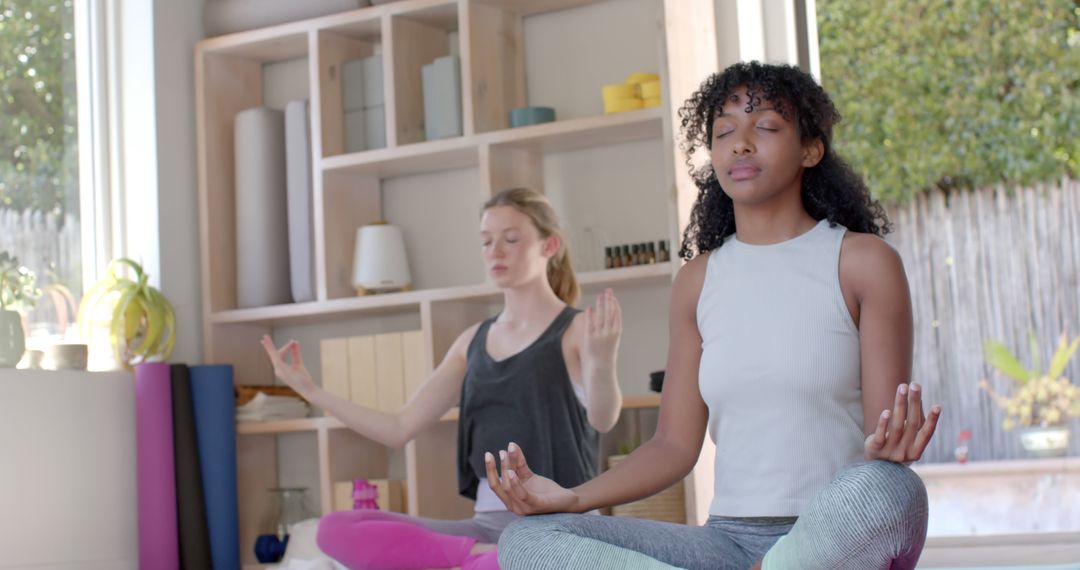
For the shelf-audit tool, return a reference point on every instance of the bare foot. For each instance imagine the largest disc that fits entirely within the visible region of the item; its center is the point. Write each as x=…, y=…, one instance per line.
x=481, y=547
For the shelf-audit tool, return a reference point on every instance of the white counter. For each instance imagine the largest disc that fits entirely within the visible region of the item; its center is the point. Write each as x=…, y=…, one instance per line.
x=67, y=470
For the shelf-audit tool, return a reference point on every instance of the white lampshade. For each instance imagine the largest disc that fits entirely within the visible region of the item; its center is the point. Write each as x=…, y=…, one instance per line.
x=379, y=262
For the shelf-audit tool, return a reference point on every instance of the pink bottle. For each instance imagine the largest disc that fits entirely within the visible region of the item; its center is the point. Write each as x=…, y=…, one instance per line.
x=365, y=495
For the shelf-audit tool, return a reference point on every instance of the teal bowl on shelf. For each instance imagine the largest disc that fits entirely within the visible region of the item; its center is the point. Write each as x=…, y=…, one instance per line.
x=525, y=116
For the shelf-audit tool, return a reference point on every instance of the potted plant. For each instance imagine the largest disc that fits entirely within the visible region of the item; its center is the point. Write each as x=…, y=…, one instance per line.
x=139, y=321
x=17, y=293
x=1040, y=403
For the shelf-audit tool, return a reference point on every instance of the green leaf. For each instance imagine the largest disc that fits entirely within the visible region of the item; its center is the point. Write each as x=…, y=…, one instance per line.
x=1036, y=358
x=998, y=356
x=1062, y=356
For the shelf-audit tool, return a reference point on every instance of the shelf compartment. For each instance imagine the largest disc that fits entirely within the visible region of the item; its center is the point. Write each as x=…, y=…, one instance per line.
x=336, y=47
x=448, y=154
x=298, y=313
x=230, y=78
x=414, y=38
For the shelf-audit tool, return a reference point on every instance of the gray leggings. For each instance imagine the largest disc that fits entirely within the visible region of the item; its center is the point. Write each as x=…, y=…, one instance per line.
x=872, y=516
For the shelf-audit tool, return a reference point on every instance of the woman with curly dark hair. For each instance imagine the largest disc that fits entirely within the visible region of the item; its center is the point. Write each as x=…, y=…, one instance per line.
x=791, y=343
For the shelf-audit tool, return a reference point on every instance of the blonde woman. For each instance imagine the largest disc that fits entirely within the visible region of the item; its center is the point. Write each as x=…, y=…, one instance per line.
x=540, y=374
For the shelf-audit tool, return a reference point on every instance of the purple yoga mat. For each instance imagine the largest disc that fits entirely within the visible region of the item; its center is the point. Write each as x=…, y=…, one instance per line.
x=158, y=547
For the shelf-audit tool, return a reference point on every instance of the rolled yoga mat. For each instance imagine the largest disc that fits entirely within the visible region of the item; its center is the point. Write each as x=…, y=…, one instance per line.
x=155, y=468
x=298, y=167
x=215, y=429
x=262, y=239
x=190, y=505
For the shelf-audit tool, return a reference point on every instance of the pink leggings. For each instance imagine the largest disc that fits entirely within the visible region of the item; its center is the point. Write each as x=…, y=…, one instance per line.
x=378, y=540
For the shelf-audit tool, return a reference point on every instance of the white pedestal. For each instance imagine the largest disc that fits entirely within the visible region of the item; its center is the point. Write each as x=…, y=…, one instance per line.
x=67, y=470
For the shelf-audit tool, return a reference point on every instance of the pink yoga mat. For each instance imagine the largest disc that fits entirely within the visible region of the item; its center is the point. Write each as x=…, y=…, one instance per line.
x=158, y=546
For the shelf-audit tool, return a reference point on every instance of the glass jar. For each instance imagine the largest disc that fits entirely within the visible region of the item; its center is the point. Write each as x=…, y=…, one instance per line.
x=285, y=507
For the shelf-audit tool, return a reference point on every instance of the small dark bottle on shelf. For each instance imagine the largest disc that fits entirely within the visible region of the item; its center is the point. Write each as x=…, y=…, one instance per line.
x=608, y=262
x=635, y=254
x=627, y=261
x=652, y=252
x=663, y=255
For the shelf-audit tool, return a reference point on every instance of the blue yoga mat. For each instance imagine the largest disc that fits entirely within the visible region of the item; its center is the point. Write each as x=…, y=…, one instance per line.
x=215, y=429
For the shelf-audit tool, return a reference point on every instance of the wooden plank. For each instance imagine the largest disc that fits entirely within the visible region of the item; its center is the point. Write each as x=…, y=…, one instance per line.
x=389, y=372
x=363, y=389
x=408, y=46
x=345, y=204
x=334, y=51
x=503, y=168
x=413, y=361
x=493, y=66
x=224, y=86
x=334, y=356
x=256, y=469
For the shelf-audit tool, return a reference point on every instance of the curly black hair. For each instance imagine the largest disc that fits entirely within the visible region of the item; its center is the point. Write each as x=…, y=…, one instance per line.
x=830, y=190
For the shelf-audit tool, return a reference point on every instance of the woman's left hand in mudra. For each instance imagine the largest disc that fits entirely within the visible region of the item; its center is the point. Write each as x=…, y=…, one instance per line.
x=522, y=491
x=903, y=433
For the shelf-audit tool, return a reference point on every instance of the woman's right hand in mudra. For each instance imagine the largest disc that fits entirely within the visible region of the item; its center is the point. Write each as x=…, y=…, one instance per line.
x=292, y=371
x=524, y=492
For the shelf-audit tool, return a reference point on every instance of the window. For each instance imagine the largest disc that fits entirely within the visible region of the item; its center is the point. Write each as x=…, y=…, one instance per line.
x=42, y=203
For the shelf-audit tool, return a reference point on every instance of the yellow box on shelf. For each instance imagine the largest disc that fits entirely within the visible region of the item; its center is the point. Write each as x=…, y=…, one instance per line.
x=618, y=91
x=650, y=90
x=639, y=78
x=641, y=90
x=623, y=105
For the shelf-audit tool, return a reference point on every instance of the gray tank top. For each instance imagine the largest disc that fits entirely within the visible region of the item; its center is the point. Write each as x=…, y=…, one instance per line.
x=527, y=399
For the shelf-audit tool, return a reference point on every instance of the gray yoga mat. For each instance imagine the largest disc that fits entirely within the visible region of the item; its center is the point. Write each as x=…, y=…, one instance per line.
x=298, y=175
x=262, y=244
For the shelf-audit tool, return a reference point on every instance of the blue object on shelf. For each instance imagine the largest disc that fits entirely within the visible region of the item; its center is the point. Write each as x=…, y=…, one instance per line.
x=524, y=116
x=269, y=548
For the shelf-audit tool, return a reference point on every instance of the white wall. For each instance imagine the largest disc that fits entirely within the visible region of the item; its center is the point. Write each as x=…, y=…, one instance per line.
x=440, y=221
x=177, y=26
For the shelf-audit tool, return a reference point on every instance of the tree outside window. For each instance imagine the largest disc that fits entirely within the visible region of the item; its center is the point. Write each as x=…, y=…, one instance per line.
x=39, y=193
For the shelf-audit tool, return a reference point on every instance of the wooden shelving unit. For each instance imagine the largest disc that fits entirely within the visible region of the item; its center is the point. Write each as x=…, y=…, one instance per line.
x=351, y=189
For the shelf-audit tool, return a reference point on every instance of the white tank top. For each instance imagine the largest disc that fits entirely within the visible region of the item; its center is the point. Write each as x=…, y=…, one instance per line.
x=779, y=372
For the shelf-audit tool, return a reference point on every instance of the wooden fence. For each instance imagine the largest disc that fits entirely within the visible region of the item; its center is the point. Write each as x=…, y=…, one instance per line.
x=988, y=264
x=49, y=245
